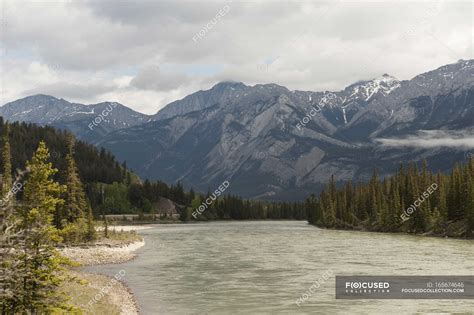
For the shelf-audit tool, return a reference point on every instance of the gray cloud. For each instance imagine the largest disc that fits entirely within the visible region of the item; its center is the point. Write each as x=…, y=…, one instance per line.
x=152, y=78
x=314, y=45
x=153, y=12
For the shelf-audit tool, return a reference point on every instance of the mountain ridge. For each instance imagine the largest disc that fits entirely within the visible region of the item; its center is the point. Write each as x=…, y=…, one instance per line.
x=78, y=118
x=249, y=135
x=255, y=144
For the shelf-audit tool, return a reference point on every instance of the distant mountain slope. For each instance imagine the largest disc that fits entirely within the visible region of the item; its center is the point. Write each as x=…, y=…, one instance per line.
x=258, y=138
x=273, y=143
x=88, y=122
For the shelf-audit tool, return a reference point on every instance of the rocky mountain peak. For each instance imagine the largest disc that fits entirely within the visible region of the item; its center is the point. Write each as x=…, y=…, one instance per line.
x=268, y=140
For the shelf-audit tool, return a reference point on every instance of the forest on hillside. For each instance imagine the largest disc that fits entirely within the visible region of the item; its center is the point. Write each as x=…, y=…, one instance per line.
x=413, y=200
x=111, y=188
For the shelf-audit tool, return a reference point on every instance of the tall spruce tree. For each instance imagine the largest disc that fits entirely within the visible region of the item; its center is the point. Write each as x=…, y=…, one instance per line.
x=7, y=181
x=76, y=204
x=12, y=238
x=470, y=197
x=41, y=264
x=77, y=219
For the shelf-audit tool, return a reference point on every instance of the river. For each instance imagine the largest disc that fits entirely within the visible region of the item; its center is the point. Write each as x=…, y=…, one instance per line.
x=263, y=267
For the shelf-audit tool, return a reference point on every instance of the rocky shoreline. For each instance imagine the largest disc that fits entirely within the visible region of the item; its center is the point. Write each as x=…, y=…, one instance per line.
x=120, y=294
x=101, y=254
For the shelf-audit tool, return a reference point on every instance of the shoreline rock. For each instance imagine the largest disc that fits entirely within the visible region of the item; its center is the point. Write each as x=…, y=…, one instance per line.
x=101, y=254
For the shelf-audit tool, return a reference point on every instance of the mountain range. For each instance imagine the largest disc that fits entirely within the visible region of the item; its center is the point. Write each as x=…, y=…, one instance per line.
x=88, y=122
x=273, y=143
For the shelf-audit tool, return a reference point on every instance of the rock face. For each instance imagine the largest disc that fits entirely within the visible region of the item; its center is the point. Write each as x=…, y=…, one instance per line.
x=88, y=122
x=273, y=143
x=258, y=138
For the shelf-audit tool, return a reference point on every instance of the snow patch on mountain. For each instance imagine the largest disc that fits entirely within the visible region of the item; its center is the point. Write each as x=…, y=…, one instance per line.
x=385, y=84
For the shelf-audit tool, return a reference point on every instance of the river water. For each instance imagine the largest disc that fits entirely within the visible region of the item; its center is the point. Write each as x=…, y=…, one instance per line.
x=263, y=267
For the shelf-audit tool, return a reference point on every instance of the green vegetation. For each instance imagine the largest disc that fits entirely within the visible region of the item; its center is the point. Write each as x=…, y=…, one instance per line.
x=75, y=217
x=36, y=215
x=7, y=181
x=108, y=186
x=99, y=185
x=235, y=208
x=116, y=236
x=31, y=268
x=55, y=207
x=411, y=201
x=46, y=206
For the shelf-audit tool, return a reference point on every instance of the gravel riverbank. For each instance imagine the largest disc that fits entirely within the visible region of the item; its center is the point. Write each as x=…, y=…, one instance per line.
x=117, y=295
x=102, y=254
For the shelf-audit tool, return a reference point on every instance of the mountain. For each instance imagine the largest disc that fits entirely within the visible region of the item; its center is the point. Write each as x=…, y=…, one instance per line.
x=257, y=137
x=88, y=122
x=273, y=143
x=221, y=94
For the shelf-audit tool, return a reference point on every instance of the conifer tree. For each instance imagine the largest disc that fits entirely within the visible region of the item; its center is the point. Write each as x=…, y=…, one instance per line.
x=76, y=204
x=395, y=208
x=75, y=217
x=91, y=233
x=407, y=201
x=12, y=238
x=40, y=266
x=470, y=200
x=7, y=181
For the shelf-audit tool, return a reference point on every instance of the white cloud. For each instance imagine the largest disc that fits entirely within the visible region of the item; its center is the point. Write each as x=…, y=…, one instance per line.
x=432, y=139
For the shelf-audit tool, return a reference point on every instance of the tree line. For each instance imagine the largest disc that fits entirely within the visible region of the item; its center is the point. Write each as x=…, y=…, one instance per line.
x=111, y=188
x=227, y=207
x=413, y=200
x=232, y=207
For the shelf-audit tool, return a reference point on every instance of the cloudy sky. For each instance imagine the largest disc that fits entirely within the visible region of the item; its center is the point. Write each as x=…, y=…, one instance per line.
x=146, y=54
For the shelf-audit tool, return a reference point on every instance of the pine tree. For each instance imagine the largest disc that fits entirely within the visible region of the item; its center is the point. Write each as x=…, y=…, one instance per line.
x=91, y=234
x=12, y=239
x=441, y=198
x=41, y=264
x=417, y=221
x=76, y=204
x=7, y=181
x=75, y=217
x=470, y=204
x=455, y=207
x=395, y=207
